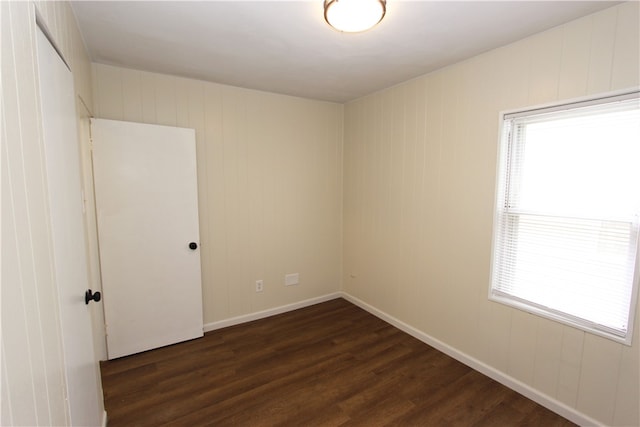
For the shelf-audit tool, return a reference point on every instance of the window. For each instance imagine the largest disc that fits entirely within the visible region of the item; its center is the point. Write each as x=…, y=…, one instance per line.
x=567, y=216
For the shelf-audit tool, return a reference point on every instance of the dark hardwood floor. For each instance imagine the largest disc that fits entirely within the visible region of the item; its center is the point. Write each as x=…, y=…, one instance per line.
x=330, y=364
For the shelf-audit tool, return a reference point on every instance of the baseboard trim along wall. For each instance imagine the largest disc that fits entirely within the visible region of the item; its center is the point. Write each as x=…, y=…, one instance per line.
x=548, y=402
x=270, y=312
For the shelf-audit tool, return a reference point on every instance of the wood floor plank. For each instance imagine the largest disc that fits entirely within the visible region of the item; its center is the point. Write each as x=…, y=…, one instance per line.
x=331, y=364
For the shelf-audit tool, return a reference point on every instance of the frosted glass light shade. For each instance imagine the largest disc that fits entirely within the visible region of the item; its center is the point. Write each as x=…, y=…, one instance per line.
x=353, y=16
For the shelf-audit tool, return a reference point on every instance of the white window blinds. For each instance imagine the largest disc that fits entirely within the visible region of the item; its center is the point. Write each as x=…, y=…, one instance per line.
x=568, y=211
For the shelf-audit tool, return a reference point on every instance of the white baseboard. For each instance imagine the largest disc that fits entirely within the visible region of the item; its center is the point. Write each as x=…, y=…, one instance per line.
x=548, y=402
x=270, y=312
x=104, y=419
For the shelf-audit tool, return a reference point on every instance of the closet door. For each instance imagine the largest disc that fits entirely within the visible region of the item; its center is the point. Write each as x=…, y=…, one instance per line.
x=62, y=161
x=147, y=215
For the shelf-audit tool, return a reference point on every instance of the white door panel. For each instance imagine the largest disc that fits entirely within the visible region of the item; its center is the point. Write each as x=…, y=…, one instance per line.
x=62, y=158
x=146, y=204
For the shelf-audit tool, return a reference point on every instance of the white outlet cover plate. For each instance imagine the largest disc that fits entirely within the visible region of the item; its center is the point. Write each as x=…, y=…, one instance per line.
x=291, y=279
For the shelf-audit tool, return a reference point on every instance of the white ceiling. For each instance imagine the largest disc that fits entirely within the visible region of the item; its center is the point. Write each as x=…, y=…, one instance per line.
x=287, y=47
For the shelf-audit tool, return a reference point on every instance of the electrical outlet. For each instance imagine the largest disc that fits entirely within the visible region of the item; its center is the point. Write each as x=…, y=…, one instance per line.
x=259, y=285
x=291, y=279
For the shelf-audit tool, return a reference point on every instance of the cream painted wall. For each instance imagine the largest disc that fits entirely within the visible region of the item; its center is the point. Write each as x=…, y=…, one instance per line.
x=32, y=360
x=419, y=184
x=269, y=183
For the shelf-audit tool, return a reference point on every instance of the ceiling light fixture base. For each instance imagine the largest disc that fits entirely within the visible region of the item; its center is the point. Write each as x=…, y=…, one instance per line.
x=354, y=16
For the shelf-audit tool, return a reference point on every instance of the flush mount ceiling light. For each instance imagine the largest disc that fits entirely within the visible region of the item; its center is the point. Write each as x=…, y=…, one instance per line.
x=353, y=16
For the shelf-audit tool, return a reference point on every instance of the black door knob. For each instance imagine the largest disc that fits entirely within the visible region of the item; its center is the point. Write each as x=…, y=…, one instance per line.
x=193, y=246
x=91, y=296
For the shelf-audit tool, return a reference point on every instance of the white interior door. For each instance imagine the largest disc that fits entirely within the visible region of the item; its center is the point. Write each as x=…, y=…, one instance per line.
x=147, y=209
x=62, y=157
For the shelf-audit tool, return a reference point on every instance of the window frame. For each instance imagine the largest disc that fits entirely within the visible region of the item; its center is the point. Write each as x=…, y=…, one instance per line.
x=505, y=148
